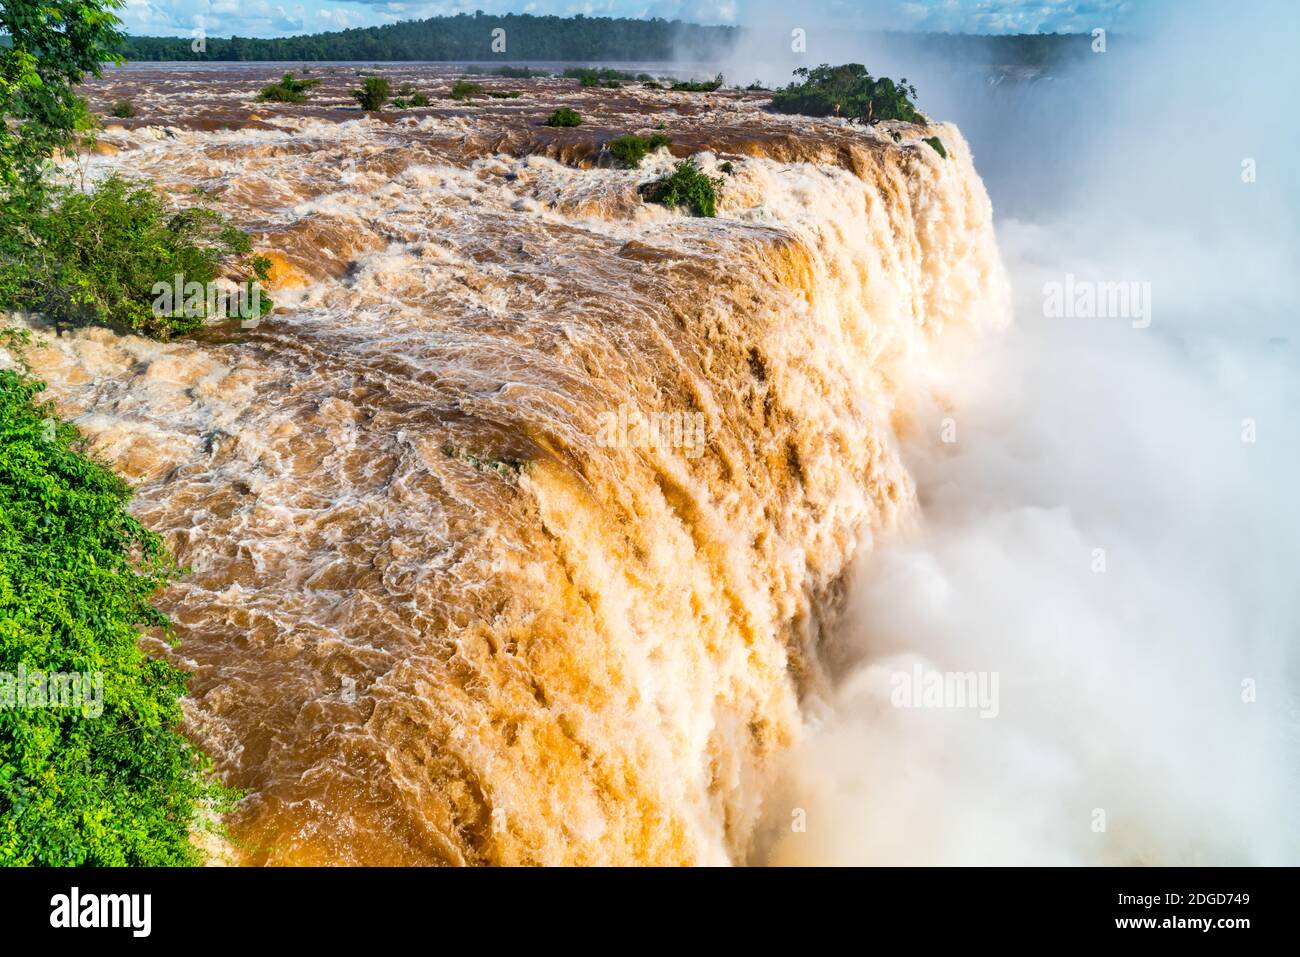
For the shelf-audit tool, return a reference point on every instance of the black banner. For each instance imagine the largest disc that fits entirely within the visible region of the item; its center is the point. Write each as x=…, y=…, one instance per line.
x=332, y=906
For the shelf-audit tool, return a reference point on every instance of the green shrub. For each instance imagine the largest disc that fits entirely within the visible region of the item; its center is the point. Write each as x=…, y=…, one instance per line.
x=629, y=150
x=113, y=782
x=686, y=186
x=409, y=99
x=937, y=145
x=564, y=117
x=504, y=94
x=848, y=91
x=288, y=89
x=504, y=466
x=693, y=86
x=463, y=90
x=518, y=72
x=606, y=77
x=373, y=93
x=96, y=258
x=123, y=109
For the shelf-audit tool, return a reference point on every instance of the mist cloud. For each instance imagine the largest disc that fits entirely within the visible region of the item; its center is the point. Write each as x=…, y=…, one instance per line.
x=1113, y=532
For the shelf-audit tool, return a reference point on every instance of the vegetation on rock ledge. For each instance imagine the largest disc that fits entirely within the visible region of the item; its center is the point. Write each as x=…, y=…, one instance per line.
x=373, y=93
x=686, y=186
x=848, y=91
x=287, y=89
x=99, y=257
x=564, y=116
x=629, y=150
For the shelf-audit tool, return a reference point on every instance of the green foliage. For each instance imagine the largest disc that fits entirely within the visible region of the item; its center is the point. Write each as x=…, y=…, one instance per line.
x=373, y=93
x=95, y=257
x=564, y=117
x=77, y=575
x=468, y=37
x=848, y=91
x=416, y=100
x=695, y=86
x=125, y=109
x=288, y=89
x=686, y=186
x=518, y=72
x=111, y=781
x=728, y=167
x=504, y=94
x=937, y=145
x=505, y=467
x=629, y=150
x=408, y=97
x=52, y=46
x=608, y=78
x=464, y=90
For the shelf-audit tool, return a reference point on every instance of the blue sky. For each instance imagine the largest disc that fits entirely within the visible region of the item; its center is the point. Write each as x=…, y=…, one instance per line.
x=268, y=18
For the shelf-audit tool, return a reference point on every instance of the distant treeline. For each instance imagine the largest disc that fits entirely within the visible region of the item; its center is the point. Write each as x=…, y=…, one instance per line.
x=464, y=37
x=1038, y=51
x=574, y=39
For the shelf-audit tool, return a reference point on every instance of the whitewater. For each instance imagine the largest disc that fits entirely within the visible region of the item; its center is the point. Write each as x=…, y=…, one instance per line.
x=544, y=525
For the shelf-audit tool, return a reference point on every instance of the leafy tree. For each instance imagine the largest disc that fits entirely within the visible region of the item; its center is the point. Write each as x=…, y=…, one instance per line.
x=564, y=116
x=288, y=89
x=848, y=91
x=53, y=45
x=373, y=93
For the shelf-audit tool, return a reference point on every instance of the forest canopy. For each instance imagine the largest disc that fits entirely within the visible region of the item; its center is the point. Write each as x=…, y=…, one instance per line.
x=468, y=37
x=463, y=37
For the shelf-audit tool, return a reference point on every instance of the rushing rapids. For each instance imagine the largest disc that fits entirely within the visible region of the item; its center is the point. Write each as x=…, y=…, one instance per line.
x=434, y=615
